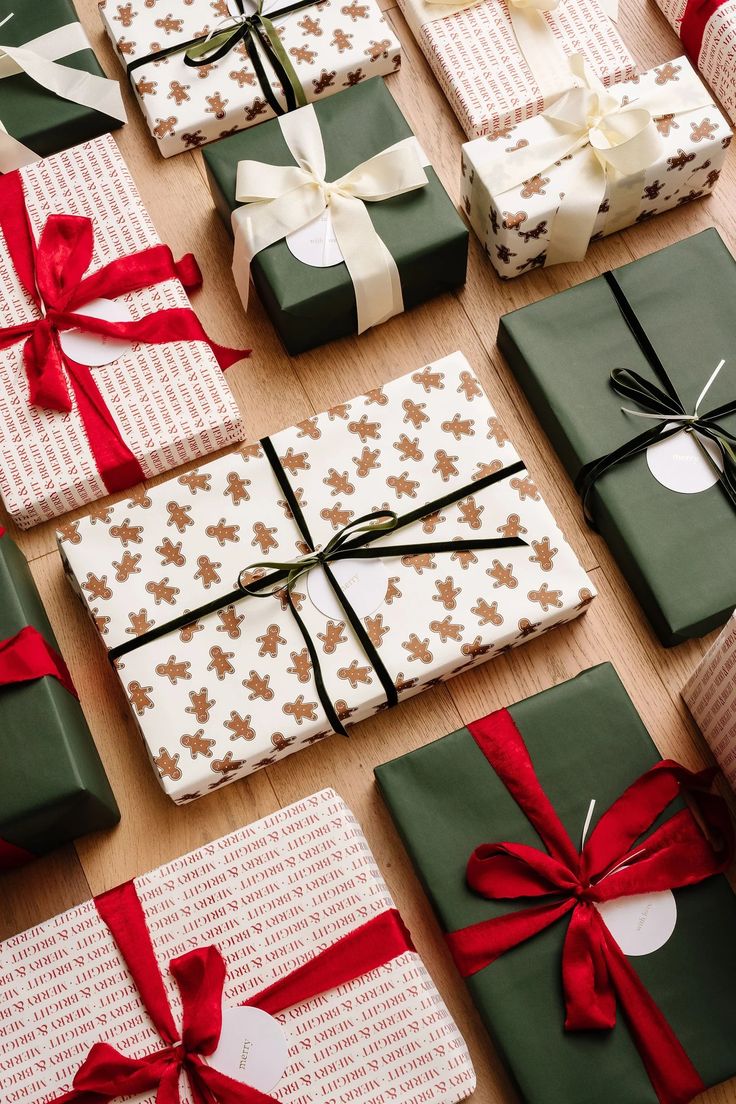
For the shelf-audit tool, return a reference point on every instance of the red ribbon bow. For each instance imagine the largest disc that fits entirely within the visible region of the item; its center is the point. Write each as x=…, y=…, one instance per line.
x=596, y=974
x=52, y=273
x=200, y=976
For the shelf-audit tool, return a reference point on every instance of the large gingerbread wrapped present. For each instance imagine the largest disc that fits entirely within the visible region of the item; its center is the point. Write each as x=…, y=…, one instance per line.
x=502, y=61
x=108, y=375
x=707, y=29
x=255, y=605
x=710, y=694
x=268, y=967
x=207, y=69
x=594, y=162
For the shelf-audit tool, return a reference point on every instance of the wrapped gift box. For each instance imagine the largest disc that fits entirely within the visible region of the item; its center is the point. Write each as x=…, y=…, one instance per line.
x=519, y=226
x=671, y=532
x=38, y=118
x=586, y=741
x=708, y=33
x=710, y=693
x=308, y=304
x=330, y=46
x=52, y=784
x=236, y=690
x=474, y=54
x=169, y=401
x=269, y=897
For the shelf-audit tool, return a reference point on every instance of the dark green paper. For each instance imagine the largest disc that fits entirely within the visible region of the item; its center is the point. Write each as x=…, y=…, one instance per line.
x=426, y=236
x=36, y=117
x=586, y=741
x=676, y=550
x=53, y=787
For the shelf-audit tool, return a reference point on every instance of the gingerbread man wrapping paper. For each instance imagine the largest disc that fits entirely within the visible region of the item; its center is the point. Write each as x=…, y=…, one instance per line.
x=213, y=67
x=593, y=163
x=223, y=681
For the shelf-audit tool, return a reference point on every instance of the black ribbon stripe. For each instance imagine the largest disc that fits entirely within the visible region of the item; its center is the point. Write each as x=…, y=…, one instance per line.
x=251, y=32
x=359, y=545
x=663, y=401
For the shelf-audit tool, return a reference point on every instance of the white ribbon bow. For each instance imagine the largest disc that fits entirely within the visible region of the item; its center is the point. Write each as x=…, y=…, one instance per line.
x=615, y=142
x=281, y=199
x=38, y=59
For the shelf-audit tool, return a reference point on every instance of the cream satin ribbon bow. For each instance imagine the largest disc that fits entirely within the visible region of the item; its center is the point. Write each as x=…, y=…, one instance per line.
x=281, y=199
x=38, y=58
x=615, y=142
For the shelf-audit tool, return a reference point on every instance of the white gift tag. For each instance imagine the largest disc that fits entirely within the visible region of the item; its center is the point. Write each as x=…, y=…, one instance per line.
x=363, y=583
x=253, y=1048
x=640, y=924
x=678, y=462
x=315, y=244
x=96, y=349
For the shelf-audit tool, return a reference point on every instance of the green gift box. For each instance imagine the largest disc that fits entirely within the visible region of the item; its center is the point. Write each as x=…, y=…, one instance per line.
x=32, y=114
x=53, y=787
x=674, y=546
x=586, y=741
x=311, y=305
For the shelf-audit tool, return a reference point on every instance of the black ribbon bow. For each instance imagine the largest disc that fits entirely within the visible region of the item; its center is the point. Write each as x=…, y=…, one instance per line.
x=354, y=541
x=257, y=32
x=665, y=405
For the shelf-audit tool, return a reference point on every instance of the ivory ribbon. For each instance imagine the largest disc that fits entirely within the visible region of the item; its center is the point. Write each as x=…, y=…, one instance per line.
x=613, y=140
x=38, y=59
x=280, y=199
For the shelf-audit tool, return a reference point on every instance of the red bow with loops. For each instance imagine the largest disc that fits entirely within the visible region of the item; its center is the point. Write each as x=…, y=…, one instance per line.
x=614, y=862
x=200, y=976
x=52, y=274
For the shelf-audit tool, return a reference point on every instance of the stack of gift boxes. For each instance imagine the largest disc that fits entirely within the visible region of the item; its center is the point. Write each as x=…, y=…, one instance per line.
x=298, y=585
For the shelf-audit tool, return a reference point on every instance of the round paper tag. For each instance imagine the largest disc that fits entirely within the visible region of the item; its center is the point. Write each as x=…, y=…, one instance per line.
x=678, y=462
x=253, y=1048
x=96, y=349
x=640, y=924
x=315, y=244
x=363, y=582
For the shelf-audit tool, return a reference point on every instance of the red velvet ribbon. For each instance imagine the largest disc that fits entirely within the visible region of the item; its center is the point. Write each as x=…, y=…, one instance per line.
x=200, y=976
x=24, y=657
x=595, y=972
x=53, y=275
x=696, y=17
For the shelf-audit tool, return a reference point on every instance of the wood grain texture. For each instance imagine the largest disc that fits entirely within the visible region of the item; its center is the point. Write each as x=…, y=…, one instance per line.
x=273, y=391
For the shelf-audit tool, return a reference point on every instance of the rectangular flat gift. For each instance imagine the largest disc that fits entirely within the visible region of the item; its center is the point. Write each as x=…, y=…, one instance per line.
x=667, y=519
x=328, y=45
x=236, y=690
x=708, y=33
x=586, y=741
x=169, y=402
x=522, y=211
x=53, y=787
x=312, y=301
x=710, y=693
x=269, y=897
x=474, y=54
x=31, y=113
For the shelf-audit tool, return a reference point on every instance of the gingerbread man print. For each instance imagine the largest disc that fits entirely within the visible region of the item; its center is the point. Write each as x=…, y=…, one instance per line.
x=201, y=705
x=270, y=642
x=174, y=669
x=220, y=662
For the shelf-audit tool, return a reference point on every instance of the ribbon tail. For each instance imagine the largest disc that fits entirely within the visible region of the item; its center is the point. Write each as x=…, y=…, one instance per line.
x=475, y=947
x=13, y=154
x=211, y=1085
x=372, y=268
x=28, y=656
x=590, y=1001
x=87, y=89
x=573, y=225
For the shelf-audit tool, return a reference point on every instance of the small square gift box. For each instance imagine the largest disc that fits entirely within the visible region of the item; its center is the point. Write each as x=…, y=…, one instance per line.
x=209, y=68
x=268, y=967
x=597, y=939
x=707, y=29
x=108, y=376
x=499, y=62
x=594, y=162
x=338, y=217
x=260, y=603
x=631, y=377
x=53, y=92
x=710, y=694
x=53, y=787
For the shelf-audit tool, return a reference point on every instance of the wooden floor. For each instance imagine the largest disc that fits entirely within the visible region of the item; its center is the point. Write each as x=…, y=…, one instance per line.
x=274, y=391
